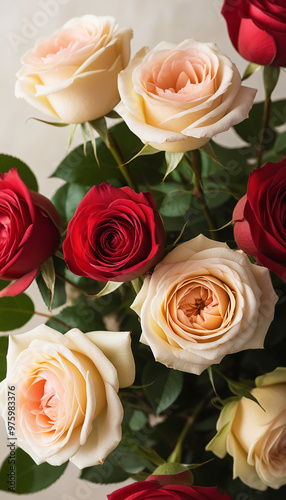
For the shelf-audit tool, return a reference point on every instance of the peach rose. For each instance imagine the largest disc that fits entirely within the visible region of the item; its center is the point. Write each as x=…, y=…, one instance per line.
x=204, y=301
x=176, y=97
x=72, y=75
x=66, y=386
x=256, y=437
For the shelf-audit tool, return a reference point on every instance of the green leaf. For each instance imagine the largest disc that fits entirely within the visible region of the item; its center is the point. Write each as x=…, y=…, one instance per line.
x=108, y=288
x=75, y=193
x=59, y=294
x=7, y=162
x=172, y=161
x=109, y=472
x=171, y=468
x=100, y=126
x=280, y=144
x=250, y=70
x=49, y=277
x=82, y=169
x=176, y=203
x=3, y=354
x=250, y=130
x=54, y=124
x=208, y=150
x=67, y=198
x=137, y=421
x=242, y=390
x=72, y=133
x=28, y=476
x=15, y=311
x=146, y=150
x=166, y=387
x=82, y=316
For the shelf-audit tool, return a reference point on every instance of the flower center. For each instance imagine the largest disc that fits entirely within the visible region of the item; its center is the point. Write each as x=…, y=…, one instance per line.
x=182, y=76
x=194, y=302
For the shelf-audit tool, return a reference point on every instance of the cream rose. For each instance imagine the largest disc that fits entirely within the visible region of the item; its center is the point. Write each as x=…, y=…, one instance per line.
x=256, y=437
x=72, y=75
x=204, y=301
x=66, y=387
x=176, y=97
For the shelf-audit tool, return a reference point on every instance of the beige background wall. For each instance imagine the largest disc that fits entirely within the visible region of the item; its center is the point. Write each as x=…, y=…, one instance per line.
x=42, y=147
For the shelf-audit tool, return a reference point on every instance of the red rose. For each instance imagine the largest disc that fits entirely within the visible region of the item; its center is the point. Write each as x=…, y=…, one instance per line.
x=257, y=29
x=166, y=487
x=29, y=232
x=260, y=217
x=115, y=234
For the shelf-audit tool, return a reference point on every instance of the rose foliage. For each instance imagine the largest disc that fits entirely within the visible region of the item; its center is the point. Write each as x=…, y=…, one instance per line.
x=158, y=353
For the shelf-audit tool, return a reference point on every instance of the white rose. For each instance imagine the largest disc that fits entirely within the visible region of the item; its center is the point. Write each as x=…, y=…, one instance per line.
x=256, y=437
x=176, y=97
x=72, y=75
x=204, y=301
x=66, y=389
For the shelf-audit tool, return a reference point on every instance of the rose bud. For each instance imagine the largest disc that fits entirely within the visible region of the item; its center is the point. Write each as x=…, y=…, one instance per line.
x=72, y=75
x=29, y=232
x=257, y=29
x=114, y=235
x=259, y=217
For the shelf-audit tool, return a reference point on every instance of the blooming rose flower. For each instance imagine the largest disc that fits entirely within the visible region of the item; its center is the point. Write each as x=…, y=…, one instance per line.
x=66, y=386
x=257, y=29
x=259, y=217
x=29, y=232
x=204, y=301
x=115, y=234
x=72, y=75
x=176, y=97
x=167, y=486
x=255, y=437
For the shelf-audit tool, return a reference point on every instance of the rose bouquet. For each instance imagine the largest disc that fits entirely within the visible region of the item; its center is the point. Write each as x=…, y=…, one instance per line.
x=162, y=263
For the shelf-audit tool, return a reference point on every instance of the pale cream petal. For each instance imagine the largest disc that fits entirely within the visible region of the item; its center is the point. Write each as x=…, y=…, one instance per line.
x=117, y=348
x=85, y=346
x=105, y=435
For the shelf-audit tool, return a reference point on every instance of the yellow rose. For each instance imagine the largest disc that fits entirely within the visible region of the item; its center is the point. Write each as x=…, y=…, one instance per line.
x=256, y=437
x=72, y=75
x=176, y=97
x=204, y=301
x=66, y=390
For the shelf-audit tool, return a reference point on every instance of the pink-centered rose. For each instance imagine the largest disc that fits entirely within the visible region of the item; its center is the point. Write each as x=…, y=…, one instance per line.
x=72, y=75
x=255, y=436
x=257, y=29
x=167, y=487
x=29, y=232
x=66, y=390
x=176, y=97
x=114, y=235
x=259, y=217
x=202, y=302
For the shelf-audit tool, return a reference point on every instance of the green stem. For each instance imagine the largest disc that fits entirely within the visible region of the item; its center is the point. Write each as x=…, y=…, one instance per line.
x=175, y=457
x=176, y=454
x=50, y=316
x=116, y=153
x=196, y=167
x=270, y=79
x=266, y=114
